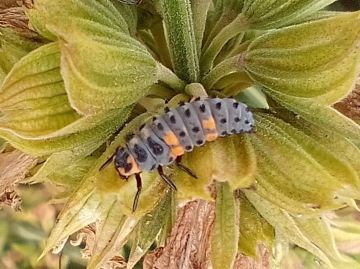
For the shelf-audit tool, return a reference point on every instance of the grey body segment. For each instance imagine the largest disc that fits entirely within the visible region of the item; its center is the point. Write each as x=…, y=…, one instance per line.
x=221, y=116
x=235, y=114
x=141, y=154
x=158, y=148
x=176, y=124
x=160, y=128
x=203, y=111
x=192, y=122
x=247, y=122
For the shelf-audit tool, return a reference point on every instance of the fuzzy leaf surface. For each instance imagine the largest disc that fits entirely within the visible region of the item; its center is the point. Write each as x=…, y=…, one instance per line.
x=33, y=100
x=295, y=186
x=100, y=60
x=285, y=225
x=254, y=229
x=308, y=60
x=269, y=14
x=225, y=235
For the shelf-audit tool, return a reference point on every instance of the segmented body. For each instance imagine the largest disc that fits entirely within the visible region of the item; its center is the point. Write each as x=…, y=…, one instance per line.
x=161, y=141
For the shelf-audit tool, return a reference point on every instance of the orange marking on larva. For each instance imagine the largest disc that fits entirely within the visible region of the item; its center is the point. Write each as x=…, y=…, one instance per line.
x=134, y=167
x=211, y=136
x=170, y=139
x=209, y=124
x=177, y=150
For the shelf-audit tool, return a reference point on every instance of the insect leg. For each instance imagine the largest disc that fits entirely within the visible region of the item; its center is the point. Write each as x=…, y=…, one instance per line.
x=184, y=168
x=108, y=160
x=137, y=195
x=166, y=178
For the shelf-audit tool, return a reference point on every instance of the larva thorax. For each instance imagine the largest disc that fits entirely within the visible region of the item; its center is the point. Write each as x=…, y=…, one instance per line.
x=167, y=137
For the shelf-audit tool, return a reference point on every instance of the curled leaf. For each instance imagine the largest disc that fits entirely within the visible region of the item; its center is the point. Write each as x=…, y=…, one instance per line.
x=278, y=61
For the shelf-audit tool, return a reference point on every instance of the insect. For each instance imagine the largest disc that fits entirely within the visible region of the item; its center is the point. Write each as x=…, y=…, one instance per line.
x=167, y=137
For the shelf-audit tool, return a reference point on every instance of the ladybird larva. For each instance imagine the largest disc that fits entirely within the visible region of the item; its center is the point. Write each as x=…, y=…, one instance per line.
x=167, y=137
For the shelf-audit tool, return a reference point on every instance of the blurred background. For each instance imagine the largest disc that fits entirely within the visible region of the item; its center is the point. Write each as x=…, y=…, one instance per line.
x=23, y=232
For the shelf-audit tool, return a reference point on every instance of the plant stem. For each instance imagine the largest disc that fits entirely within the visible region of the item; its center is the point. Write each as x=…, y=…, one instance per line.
x=165, y=75
x=231, y=65
x=196, y=90
x=178, y=22
x=231, y=30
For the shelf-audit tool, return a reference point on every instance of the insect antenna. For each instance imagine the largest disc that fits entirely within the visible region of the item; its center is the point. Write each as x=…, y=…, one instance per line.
x=184, y=168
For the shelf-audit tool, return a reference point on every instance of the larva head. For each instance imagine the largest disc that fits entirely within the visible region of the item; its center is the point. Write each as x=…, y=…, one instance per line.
x=125, y=163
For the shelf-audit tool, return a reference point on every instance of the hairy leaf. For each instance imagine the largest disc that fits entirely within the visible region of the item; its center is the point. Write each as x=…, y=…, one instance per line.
x=294, y=183
x=100, y=60
x=149, y=228
x=33, y=100
x=268, y=14
x=323, y=116
x=254, y=229
x=12, y=48
x=285, y=225
x=179, y=26
x=308, y=60
x=225, y=236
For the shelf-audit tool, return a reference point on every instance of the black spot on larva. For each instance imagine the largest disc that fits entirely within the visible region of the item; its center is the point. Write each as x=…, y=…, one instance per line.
x=247, y=122
x=199, y=142
x=223, y=121
x=182, y=133
x=129, y=136
x=187, y=113
x=142, y=126
x=160, y=126
x=166, y=109
x=236, y=105
x=153, y=167
x=247, y=109
x=141, y=154
x=196, y=129
x=154, y=118
x=156, y=148
x=127, y=167
x=197, y=98
x=171, y=159
x=188, y=147
x=218, y=105
x=202, y=108
x=223, y=133
x=237, y=119
x=172, y=119
x=233, y=131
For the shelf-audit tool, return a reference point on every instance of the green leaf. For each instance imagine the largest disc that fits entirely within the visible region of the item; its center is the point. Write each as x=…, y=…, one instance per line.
x=225, y=235
x=254, y=229
x=100, y=60
x=285, y=225
x=80, y=136
x=323, y=64
x=111, y=234
x=238, y=170
x=149, y=228
x=268, y=14
x=179, y=26
x=66, y=168
x=199, y=11
x=253, y=97
x=319, y=232
x=49, y=13
x=323, y=116
x=12, y=48
x=125, y=78
x=291, y=173
x=33, y=100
